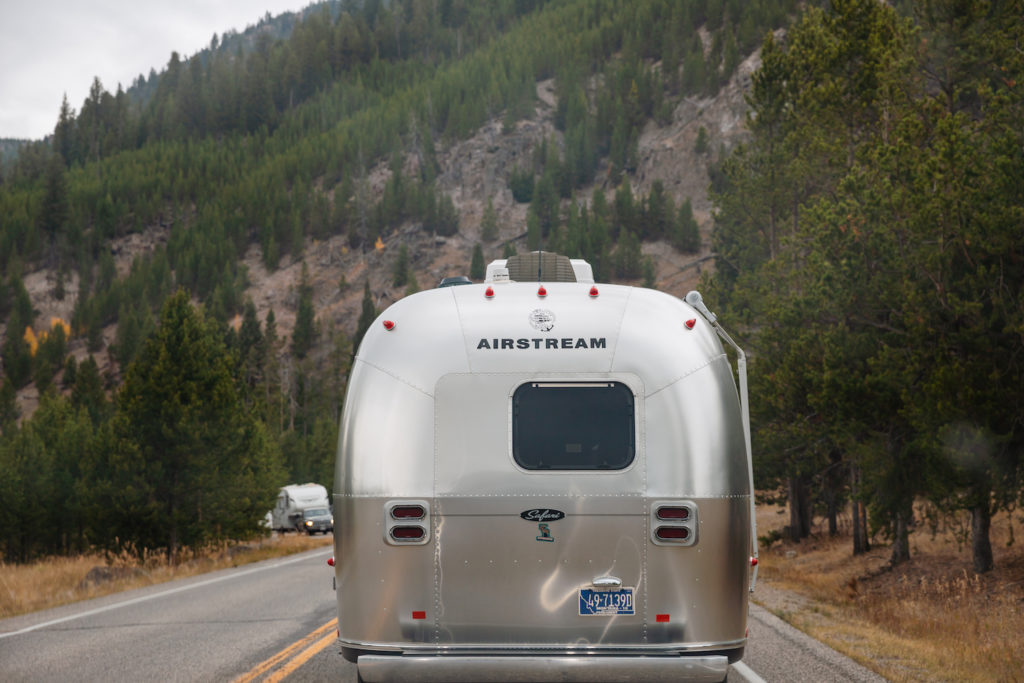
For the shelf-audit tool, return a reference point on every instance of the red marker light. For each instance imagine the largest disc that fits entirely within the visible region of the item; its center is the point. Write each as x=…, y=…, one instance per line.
x=330, y=561
x=408, y=512
x=662, y=618
x=542, y=292
x=753, y=562
x=690, y=323
x=408, y=533
x=419, y=614
x=672, y=533
x=389, y=325
x=489, y=293
x=673, y=513
x=593, y=292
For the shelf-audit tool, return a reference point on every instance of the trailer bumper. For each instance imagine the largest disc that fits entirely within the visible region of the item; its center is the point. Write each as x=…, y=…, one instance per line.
x=536, y=669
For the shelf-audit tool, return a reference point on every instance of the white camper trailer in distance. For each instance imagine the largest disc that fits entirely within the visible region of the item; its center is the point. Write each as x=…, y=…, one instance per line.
x=540, y=478
x=292, y=501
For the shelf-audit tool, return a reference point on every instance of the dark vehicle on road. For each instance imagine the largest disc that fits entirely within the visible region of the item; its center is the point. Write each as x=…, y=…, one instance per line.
x=317, y=519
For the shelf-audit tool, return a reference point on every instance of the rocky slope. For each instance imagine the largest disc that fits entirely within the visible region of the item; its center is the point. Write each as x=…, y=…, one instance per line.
x=472, y=171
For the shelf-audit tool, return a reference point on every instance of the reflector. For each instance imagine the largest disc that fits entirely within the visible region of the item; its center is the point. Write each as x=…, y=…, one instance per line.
x=672, y=533
x=673, y=513
x=408, y=512
x=407, y=533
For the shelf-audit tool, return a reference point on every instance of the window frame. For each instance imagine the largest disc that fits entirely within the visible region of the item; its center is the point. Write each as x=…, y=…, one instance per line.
x=631, y=440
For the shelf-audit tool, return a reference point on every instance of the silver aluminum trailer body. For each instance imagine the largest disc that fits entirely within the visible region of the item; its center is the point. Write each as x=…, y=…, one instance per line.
x=462, y=554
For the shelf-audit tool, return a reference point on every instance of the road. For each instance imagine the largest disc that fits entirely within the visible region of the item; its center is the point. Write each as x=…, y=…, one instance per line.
x=274, y=620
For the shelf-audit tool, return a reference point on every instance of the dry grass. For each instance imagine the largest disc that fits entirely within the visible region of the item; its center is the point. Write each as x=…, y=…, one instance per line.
x=59, y=581
x=930, y=619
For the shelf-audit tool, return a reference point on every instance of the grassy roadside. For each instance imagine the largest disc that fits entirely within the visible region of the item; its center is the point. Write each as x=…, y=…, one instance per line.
x=59, y=581
x=930, y=619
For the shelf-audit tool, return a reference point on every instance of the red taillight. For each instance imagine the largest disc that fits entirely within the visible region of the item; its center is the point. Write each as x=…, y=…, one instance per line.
x=408, y=512
x=407, y=533
x=674, y=523
x=672, y=533
x=673, y=513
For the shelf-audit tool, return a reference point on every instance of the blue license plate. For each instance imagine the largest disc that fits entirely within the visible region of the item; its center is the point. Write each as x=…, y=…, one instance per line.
x=606, y=603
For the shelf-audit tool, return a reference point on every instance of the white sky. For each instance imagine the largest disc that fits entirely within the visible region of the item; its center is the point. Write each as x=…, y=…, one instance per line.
x=52, y=47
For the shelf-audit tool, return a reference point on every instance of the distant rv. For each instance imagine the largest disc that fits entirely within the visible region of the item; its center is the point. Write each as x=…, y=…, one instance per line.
x=540, y=478
x=295, y=499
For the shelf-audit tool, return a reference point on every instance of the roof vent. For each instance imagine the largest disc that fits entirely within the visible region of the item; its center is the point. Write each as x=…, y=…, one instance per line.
x=540, y=266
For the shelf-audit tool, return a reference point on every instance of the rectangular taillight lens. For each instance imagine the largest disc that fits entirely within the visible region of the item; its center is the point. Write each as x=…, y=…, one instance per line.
x=408, y=533
x=408, y=512
x=672, y=533
x=673, y=513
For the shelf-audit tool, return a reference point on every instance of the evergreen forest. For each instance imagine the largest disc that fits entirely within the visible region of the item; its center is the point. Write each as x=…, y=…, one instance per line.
x=866, y=240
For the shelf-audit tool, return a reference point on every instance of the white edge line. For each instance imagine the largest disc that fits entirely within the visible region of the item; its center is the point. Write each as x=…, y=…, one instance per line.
x=747, y=673
x=144, y=598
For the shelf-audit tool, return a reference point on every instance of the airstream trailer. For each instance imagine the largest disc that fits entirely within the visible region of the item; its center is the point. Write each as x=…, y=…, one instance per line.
x=540, y=478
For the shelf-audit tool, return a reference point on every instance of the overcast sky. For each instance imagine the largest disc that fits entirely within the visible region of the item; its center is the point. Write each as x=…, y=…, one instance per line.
x=52, y=47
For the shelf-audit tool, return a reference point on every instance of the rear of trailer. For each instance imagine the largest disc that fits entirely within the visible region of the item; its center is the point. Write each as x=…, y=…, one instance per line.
x=543, y=480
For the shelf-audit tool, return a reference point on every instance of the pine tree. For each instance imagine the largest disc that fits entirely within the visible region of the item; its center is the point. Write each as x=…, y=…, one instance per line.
x=476, y=266
x=190, y=465
x=400, y=270
x=489, y=222
x=305, y=331
x=366, y=317
x=685, y=231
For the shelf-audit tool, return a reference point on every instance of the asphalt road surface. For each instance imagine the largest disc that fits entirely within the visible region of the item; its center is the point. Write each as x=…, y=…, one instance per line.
x=274, y=620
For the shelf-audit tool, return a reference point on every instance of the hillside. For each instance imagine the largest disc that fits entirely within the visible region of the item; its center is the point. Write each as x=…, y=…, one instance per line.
x=471, y=172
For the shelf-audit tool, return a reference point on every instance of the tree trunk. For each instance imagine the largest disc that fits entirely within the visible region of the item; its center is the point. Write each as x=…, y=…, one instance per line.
x=901, y=540
x=799, y=509
x=981, y=544
x=832, y=485
x=860, y=521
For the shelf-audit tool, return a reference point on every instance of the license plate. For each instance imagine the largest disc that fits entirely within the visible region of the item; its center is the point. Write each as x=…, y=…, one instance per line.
x=606, y=603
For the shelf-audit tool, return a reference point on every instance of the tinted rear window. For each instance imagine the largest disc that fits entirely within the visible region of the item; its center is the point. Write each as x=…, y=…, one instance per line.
x=573, y=426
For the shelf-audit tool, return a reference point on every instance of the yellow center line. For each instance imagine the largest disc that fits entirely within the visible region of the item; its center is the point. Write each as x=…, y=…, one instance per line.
x=284, y=654
x=301, y=658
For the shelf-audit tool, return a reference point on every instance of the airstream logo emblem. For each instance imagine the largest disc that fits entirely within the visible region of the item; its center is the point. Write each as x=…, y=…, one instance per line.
x=542, y=319
x=541, y=515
